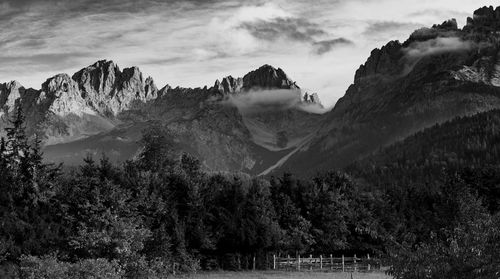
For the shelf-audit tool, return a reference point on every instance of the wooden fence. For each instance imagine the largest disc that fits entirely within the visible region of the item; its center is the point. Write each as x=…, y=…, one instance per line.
x=345, y=264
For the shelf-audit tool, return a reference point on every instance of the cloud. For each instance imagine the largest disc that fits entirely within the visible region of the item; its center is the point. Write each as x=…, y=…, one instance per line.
x=439, y=14
x=51, y=63
x=436, y=46
x=420, y=49
x=258, y=101
x=323, y=47
x=293, y=29
x=376, y=28
x=312, y=108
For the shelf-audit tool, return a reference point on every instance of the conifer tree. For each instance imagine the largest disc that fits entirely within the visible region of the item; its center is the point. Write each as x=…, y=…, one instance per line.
x=17, y=146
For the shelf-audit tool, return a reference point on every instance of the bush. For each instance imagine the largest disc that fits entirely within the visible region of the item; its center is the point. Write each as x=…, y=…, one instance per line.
x=46, y=267
x=96, y=269
x=49, y=267
x=469, y=249
x=9, y=270
x=150, y=269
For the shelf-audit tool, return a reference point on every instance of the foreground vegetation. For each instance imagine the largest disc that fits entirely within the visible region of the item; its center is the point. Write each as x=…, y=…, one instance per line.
x=160, y=214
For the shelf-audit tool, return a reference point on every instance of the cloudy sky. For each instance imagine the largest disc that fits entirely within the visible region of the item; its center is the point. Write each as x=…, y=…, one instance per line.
x=192, y=43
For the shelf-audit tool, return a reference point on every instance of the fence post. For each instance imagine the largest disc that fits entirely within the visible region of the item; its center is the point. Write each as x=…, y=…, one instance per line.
x=310, y=262
x=331, y=261
x=368, y=256
x=274, y=261
x=253, y=267
x=321, y=262
x=355, y=265
x=298, y=263
x=267, y=261
x=288, y=262
x=343, y=264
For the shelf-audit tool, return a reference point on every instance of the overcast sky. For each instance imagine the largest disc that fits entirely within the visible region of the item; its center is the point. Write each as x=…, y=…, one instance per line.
x=192, y=43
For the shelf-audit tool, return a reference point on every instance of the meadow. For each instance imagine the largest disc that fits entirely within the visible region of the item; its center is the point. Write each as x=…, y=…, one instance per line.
x=287, y=275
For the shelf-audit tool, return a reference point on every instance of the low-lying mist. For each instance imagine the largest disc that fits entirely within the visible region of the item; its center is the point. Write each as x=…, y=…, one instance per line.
x=258, y=101
x=416, y=51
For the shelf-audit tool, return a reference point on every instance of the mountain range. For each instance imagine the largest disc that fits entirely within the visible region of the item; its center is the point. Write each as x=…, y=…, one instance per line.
x=264, y=123
x=239, y=124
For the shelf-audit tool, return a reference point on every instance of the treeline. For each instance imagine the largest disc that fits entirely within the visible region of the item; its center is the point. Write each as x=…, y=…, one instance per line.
x=160, y=214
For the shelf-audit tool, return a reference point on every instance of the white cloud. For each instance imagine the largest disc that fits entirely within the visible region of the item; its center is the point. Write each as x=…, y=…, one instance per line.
x=435, y=46
x=258, y=101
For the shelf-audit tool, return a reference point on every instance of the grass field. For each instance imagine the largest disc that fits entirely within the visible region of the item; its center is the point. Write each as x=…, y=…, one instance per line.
x=288, y=275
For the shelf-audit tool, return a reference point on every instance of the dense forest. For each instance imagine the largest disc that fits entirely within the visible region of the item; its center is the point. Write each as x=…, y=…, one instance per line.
x=428, y=206
x=469, y=145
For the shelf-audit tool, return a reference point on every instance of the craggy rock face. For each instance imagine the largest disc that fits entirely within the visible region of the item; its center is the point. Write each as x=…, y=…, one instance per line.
x=229, y=85
x=109, y=91
x=68, y=108
x=9, y=93
x=486, y=19
x=266, y=77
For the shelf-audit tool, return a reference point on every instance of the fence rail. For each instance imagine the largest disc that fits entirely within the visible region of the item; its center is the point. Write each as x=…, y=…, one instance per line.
x=345, y=264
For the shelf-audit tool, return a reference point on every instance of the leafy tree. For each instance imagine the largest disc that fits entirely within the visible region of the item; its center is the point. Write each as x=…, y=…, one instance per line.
x=296, y=235
x=467, y=247
x=157, y=150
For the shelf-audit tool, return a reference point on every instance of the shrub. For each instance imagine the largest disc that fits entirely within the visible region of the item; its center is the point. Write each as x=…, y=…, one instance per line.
x=96, y=269
x=9, y=270
x=49, y=267
x=150, y=269
x=46, y=267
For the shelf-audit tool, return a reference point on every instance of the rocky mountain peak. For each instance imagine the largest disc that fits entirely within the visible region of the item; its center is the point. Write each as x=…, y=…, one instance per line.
x=13, y=84
x=62, y=96
x=485, y=19
x=265, y=77
x=59, y=83
x=391, y=61
x=311, y=99
x=229, y=85
x=381, y=61
x=132, y=81
x=98, y=78
x=9, y=93
x=268, y=77
x=109, y=91
x=449, y=25
x=150, y=88
x=131, y=73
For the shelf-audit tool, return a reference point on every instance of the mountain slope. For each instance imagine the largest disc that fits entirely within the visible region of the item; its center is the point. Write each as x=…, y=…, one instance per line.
x=437, y=74
x=464, y=142
x=467, y=145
